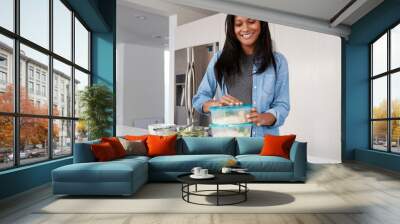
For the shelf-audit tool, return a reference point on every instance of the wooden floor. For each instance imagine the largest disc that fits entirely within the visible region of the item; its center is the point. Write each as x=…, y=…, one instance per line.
x=377, y=188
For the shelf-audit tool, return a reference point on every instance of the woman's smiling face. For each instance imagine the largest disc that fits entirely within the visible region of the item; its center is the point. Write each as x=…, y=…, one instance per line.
x=247, y=31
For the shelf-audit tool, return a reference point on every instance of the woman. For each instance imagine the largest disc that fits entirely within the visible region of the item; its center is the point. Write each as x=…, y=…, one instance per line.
x=247, y=71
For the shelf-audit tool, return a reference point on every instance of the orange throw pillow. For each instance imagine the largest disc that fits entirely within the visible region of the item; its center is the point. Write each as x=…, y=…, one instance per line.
x=277, y=145
x=136, y=137
x=103, y=152
x=161, y=145
x=116, y=145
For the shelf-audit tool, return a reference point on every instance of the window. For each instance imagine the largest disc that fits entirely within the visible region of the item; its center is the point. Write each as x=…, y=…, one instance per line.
x=35, y=21
x=30, y=72
x=7, y=14
x=30, y=87
x=44, y=91
x=6, y=72
x=62, y=31
x=45, y=131
x=385, y=91
x=6, y=142
x=81, y=45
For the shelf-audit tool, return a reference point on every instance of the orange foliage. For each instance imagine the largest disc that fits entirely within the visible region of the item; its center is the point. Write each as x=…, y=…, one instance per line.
x=34, y=130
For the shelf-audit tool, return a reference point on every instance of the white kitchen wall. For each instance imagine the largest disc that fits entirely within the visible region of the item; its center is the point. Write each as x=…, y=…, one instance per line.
x=203, y=31
x=315, y=90
x=140, y=83
x=315, y=81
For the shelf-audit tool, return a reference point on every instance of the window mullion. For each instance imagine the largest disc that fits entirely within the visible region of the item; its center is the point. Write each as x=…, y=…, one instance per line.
x=16, y=84
x=73, y=82
x=389, y=112
x=50, y=81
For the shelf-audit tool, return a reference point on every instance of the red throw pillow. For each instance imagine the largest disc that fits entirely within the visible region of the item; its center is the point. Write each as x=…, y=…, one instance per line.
x=103, y=152
x=161, y=145
x=116, y=145
x=277, y=145
x=136, y=137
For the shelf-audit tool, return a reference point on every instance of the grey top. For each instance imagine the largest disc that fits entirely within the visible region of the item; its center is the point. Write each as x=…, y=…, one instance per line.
x=240, y=85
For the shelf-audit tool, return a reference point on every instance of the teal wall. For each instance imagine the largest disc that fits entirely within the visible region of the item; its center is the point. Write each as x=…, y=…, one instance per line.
x=100, y=17
x=356, y=98
x=24, y=178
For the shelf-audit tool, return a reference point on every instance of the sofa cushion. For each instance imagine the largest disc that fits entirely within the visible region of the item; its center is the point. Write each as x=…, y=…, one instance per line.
x=207, y=145
x=103, y=152
x=257, y=163
x=161, y=145
x=277, y=145
x=185, y=163
x=111, y=171
x=249, y=145
x=116, y=145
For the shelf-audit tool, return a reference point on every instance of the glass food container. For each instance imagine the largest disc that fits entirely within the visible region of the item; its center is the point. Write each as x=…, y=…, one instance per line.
x=231, y=130
x=230, y=114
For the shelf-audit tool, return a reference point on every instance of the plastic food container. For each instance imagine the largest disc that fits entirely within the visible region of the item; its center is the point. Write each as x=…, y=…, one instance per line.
x=231, y=130
x=230, y=114
x=162, y=129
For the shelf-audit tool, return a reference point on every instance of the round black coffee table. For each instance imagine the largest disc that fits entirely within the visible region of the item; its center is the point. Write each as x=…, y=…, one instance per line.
x=238, y=179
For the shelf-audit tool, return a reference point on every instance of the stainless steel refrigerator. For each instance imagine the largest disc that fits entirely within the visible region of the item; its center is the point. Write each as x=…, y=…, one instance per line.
x=190, y=66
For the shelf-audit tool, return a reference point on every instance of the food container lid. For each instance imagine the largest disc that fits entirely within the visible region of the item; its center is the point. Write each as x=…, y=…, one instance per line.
x=241, y=107
x=248, y=124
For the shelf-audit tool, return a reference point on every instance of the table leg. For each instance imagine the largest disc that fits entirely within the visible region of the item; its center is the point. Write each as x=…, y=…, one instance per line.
x=217, y=194
x=196, y=188
x=245, y=193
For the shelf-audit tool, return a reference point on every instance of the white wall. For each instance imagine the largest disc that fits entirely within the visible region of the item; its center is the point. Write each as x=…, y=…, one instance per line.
x=140, y=83
x=315, y=89
x=315, y=81
x=204, y=31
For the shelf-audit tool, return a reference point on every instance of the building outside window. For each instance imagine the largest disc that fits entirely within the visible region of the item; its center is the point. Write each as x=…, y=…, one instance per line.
x=30, y=87
x=34, y=75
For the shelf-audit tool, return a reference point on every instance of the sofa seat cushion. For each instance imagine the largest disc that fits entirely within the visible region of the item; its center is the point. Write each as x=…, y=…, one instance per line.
x=111, y=171
x=206, y=146
x=185, y=163
x=257, y=163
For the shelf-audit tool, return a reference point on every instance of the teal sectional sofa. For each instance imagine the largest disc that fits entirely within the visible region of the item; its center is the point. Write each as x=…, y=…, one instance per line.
x=125, y=176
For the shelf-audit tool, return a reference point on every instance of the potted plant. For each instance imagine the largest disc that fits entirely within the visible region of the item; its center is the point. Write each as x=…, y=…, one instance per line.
x=96, y=102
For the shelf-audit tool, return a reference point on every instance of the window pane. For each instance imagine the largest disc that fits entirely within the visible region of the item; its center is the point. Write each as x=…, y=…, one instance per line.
x=379, y=135
x=379, y=97
x=34, y=72
x=379, y=55
x=62, y=138
x=395, y=136
x=395, y=94
x=81, y=81
x=6, y=74
x=81, y=45
x=33, y=139
x=6, y=142
x=62, y=29
x=395, y=47
x=35, y=21
x=62, y=89
x=81, y=131
x=7, y=14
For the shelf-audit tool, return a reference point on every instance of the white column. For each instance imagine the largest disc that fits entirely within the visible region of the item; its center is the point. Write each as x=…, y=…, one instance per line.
x=169, y=81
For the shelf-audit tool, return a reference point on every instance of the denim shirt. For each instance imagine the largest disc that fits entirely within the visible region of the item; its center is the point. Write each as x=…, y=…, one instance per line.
x=270, y=93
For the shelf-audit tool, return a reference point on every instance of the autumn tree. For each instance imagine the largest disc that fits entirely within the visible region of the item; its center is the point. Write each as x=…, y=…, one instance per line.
x=33, y=131
x=380, y=127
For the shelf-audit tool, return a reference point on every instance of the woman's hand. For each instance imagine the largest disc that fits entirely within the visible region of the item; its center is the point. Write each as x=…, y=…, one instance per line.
x=261, y=118
x=210, y=103
x=228, y=100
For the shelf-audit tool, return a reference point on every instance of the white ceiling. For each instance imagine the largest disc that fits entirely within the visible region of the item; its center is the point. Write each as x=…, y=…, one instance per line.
x=130, y=29
x=312, y=15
